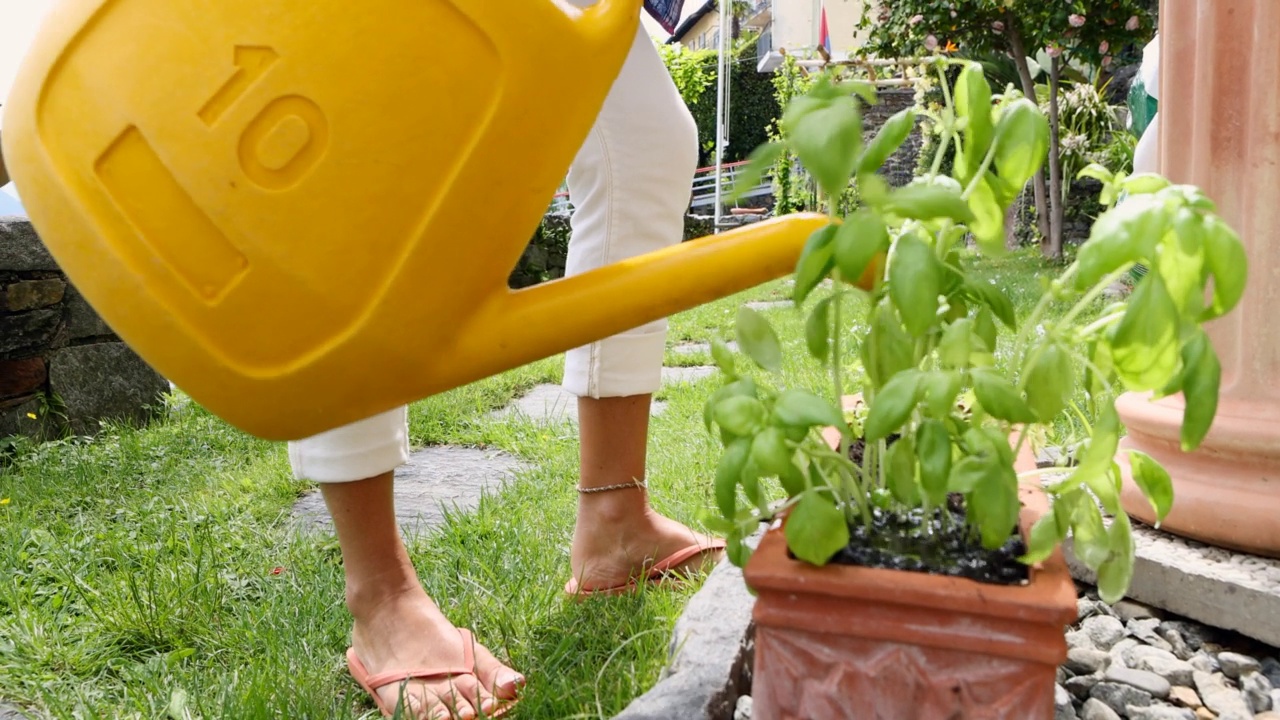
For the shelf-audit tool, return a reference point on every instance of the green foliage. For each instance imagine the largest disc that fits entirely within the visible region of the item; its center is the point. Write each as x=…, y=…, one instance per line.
x=754, y=107
x=928, y=343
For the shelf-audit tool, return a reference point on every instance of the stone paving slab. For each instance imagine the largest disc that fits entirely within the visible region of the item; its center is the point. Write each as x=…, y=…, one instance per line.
x=551, y=404
x=1217, y=587
x=434, y=479
x=694, y=373
x=710, y=653
x=770, y=304
x=700, y=347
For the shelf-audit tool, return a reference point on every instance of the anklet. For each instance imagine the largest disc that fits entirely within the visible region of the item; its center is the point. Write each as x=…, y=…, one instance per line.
x=623, y=486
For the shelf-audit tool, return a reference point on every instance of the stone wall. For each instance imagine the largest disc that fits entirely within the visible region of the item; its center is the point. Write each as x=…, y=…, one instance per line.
x=900, y=168
x=61, y=368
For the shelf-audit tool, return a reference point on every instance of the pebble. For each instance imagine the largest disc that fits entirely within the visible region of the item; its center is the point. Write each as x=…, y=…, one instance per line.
x=1234, y=664
x=1160, y=712
x=743, y=709
x=1119, y=696
x=1145, y=630
x=1080, y=685
x=1224, y=700
x=1204, y=662
x=1128, y=610
x=1063, y=709
x=1079, y=639
x=1271, y=668
x=1257, y=691
x=1185, y=697
x=1177, y=672
x=1103, y=630
x=1205, y=713
x=1086, y=661
x=1269, y=715
x=1179, y=646
x=1122, y=649
x=1095, y=709
x=1148, y=682
x=1275, y=699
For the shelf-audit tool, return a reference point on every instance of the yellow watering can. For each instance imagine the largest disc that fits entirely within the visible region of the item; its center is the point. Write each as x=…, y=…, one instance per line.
x=303, y=212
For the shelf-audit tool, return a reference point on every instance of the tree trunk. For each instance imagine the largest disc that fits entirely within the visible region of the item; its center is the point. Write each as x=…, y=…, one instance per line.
x=1052, y=246
x=1019, y=53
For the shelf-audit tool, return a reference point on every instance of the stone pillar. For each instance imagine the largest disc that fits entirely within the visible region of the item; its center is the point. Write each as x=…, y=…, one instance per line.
x=1220, y=130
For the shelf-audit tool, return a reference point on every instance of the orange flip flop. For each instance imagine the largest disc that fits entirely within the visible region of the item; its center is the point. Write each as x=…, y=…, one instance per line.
x=371, y=683
x=662, y=571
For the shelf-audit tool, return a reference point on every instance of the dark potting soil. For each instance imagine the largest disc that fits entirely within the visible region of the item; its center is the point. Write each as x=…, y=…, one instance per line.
x=900, y=539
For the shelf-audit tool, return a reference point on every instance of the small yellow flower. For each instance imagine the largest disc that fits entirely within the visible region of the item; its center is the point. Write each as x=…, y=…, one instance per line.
x=4, y=501
x=31, y=415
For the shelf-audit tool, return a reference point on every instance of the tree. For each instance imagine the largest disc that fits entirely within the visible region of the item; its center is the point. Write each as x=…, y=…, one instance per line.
x=1080, y=33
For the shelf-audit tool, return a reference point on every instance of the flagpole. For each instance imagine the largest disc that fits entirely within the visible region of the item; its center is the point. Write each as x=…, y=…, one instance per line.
x=721, y=85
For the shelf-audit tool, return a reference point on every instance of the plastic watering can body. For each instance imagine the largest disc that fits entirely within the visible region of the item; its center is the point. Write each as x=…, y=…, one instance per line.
x=304, y=212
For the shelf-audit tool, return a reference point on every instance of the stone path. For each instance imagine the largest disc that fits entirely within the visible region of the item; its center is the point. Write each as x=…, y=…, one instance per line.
x=9, y=712
x=443, y=478
x=435, y=479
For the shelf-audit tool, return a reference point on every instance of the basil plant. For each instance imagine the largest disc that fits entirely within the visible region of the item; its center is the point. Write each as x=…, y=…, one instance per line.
x=927, y=367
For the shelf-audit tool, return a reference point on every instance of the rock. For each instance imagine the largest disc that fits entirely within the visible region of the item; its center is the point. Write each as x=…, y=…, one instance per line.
x=22, y=377
x=1219, y=697
x=23, y=334
x=82, y=320
x=1120, y=650
x=1104, y=630
x=1145, y=630
x=1269, y=715
x=21, y=249
x=1079, y=639
x=1204, y=662
x=1129, y=610
x=1086, y=608
x=1234, y=664
x=1160, y=712
x=1195, y=636
x=1177, y=672
x=1134, y=653
x=1086, y=661
x=1147, y=682
x=1119, y=696
x=1062, y=707
x=105, y=381
x=1275, y=699
x=1257, y=691
x=1062, y=675
x=32, y=294
x=1271, y=668
x=1185, y=697
x=742, y=711
x=1095, y=709
x=1171, y=635
x=1205, y=713
x=1080, y=685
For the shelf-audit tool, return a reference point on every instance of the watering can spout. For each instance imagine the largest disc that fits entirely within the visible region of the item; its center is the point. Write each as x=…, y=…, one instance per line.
x=551, y=318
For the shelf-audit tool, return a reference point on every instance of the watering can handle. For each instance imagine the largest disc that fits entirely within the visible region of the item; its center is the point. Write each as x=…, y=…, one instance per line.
x=608, y=23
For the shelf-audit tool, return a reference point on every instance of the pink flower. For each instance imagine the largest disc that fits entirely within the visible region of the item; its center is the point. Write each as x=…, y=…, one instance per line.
x=916, y=19
x=931, y=42
x=1053, y=50
x=1106, y=61
x=1104, y=47
x=953, y=13
x=1132, y=24
x=998, y=26
x=1076, y=20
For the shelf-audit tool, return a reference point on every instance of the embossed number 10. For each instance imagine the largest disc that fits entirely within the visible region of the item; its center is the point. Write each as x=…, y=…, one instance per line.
x=285, y=140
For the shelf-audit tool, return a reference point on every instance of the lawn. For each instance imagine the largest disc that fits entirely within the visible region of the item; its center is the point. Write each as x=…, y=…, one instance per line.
x=156, y=573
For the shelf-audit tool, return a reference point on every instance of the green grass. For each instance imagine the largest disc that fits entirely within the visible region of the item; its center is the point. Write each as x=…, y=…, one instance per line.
x=136, y=569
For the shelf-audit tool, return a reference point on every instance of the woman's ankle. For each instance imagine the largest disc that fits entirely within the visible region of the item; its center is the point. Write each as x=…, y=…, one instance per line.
x=368, y=594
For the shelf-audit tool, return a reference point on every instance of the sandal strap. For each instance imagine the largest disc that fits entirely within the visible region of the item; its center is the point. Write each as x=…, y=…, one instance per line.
x=468, y=667
x=681, y=556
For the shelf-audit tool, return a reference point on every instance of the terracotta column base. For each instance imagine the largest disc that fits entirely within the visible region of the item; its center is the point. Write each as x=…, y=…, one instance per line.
x=1227, y=493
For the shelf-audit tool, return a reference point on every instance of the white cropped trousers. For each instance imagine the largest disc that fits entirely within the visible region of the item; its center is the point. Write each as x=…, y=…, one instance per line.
x=630, y=186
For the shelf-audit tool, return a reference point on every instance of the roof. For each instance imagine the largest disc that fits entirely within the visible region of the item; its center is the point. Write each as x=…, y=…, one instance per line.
x=687, y=24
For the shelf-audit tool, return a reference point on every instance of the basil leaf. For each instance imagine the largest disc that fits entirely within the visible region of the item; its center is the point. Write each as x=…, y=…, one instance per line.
x=915, y=281
x=815, y=263
x=728, y=474
x=993, y=506
x=827, y=139
x=758, y=340
x=1050, y=383
x=758, y=162
x=1154, y=482
x=893, y=133
x=928, y=201
x=1229, y=264
x=861, y=238
x=933, y=446
x=1000, y=398
x=1201, y=381
x=892, y=405
x=1022, y=142
x=816, y=529
x=817, y=329
x=1144, y=346
x=802, y=408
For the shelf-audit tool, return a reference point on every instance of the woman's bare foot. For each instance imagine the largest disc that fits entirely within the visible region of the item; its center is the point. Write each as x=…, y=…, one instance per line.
x=402, y=630
x=615, y=542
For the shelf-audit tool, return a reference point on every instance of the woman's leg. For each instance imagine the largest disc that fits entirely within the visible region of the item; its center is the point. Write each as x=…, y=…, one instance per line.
x=630, y=187
x=397, y=626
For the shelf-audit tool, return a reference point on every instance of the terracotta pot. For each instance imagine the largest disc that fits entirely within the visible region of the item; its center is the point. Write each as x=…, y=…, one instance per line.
x=852, y=643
